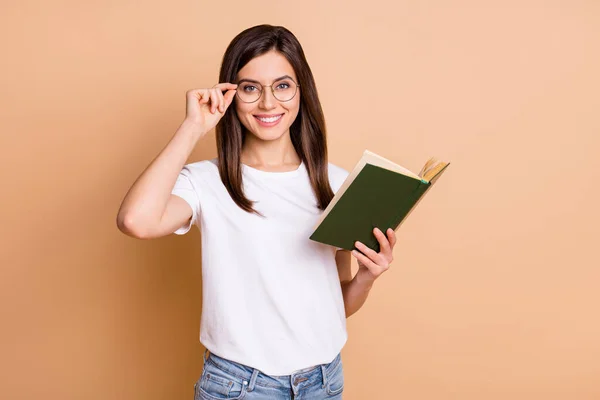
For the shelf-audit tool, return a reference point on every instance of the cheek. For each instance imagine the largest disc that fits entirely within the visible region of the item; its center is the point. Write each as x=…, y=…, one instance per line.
x=240, y=108
x=294, y=110
x=243, y=113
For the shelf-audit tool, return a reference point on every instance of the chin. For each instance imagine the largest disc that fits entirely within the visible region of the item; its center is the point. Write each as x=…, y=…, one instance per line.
x=268, y=134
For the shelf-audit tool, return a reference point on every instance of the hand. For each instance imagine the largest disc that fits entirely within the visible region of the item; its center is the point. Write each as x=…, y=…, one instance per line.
x=371, y=264
x=205, y=107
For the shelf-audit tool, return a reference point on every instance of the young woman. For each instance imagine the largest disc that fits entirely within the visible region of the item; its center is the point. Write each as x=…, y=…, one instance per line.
x=275, y=303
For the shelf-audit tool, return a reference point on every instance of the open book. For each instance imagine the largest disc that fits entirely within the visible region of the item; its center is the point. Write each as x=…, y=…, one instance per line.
x=377, y=193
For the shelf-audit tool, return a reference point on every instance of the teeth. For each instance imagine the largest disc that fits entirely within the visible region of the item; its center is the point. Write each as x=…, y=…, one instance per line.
x=272, y=119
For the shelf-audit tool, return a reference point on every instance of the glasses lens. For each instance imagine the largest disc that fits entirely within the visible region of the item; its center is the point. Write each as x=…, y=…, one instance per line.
x=249, y=92
x=284, y=90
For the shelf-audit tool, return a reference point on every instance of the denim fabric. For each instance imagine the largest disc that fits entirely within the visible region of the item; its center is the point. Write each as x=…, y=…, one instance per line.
x=224, y=379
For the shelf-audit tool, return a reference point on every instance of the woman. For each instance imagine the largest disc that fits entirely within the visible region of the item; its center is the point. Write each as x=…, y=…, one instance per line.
x=274, y=302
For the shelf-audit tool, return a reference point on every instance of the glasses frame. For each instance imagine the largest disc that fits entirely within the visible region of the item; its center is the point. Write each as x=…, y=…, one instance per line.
x=272, y=92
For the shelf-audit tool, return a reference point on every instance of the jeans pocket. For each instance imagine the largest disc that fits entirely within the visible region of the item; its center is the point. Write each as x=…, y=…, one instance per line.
x=335, y=380
x=216, y=384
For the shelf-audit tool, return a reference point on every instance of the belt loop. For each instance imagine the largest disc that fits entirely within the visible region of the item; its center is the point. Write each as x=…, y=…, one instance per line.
x=205, y=357
x=253, y=380
x=324, y=375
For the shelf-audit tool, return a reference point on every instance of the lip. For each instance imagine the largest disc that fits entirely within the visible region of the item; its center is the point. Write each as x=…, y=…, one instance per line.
x=267, y=115
x=267, y=124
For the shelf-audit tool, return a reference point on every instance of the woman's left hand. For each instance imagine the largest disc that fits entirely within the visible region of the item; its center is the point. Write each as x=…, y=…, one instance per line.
x=371, y=264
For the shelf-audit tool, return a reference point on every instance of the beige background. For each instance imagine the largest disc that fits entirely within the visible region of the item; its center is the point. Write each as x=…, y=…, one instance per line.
x=493, y=293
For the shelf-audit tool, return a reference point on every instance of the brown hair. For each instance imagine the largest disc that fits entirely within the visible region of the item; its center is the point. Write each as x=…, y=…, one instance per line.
x=307, y=132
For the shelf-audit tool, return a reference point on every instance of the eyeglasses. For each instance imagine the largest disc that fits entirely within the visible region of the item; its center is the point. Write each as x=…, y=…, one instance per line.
x=284, y=89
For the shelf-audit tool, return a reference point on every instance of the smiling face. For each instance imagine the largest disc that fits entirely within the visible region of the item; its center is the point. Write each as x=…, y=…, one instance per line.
x=267, y=118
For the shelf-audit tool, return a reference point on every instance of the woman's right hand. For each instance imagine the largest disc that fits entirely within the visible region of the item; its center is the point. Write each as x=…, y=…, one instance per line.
x=205, y=107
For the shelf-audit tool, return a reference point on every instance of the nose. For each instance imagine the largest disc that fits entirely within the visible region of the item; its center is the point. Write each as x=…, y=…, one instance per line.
x=267, y=100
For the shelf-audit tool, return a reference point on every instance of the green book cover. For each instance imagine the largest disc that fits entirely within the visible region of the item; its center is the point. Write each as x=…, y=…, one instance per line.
x=372, y=196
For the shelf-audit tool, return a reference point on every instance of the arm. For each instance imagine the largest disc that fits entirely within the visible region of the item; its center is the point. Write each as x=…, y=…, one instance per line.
x=355, y=290
x=149, y=210
x=370, y=266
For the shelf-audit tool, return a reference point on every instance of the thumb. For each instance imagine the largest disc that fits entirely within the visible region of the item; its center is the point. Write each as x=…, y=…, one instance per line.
x=228, y=97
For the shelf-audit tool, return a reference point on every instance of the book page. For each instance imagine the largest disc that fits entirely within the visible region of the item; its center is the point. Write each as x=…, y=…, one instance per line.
x=379, y=161
x=434, y=171
x=369, y=157
x=427, y=166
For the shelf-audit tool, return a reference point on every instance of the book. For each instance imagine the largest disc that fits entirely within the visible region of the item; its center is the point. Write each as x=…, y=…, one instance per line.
x=377, y=193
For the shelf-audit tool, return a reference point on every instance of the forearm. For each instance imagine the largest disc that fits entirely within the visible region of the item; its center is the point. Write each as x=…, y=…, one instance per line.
x=147, y=198
x=355, y=293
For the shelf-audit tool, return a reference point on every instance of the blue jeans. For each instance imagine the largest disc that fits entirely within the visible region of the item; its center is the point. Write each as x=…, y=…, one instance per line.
x=224, y=379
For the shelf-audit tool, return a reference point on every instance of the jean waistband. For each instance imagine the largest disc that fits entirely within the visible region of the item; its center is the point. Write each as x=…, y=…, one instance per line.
x=244, y=371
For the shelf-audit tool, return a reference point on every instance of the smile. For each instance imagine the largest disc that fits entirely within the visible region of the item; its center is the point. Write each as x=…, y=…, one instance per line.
x=269, y=119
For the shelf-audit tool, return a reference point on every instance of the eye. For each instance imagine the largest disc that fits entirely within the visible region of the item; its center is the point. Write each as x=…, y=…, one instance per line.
x=283, y=85
x=249, y=88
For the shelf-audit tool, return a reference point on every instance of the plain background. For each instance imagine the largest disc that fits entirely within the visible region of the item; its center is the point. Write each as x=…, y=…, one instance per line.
x=493, y=293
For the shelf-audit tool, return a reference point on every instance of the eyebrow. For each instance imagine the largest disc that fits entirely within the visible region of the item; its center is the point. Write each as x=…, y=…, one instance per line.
x=275, y=80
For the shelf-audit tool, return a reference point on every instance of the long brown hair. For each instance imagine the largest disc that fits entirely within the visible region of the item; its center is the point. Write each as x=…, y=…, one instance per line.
x=307, y=132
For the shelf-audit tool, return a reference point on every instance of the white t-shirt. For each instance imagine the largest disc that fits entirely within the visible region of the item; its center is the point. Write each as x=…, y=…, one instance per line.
x=271, y=297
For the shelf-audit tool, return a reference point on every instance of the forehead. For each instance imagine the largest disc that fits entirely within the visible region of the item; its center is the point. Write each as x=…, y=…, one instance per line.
x=266, y=68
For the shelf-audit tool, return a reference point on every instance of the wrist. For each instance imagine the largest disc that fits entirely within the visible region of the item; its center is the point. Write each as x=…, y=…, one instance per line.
x=364, y=279
x=192, y=128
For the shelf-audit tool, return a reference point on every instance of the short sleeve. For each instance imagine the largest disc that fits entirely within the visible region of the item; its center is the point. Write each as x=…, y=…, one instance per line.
x=185, y=188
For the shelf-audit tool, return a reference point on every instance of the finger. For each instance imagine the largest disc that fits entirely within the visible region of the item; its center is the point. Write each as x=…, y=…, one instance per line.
x=229, y=95
x=391, y=236
x=197, y=94
x=205, y=97
x=383, y=242
x=367, y=251
x=225, y=86
x=221, y=101
x=214, y=101
x=366, y=261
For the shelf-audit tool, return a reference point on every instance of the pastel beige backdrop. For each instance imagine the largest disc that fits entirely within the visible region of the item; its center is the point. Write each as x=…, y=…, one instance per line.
x=493, y=293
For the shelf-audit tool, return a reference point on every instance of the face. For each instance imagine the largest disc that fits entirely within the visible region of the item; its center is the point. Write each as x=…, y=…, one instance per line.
x=267, y=118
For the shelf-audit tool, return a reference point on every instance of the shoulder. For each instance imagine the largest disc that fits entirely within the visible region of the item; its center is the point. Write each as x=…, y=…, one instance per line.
x=337, y=176
x=200, y=169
